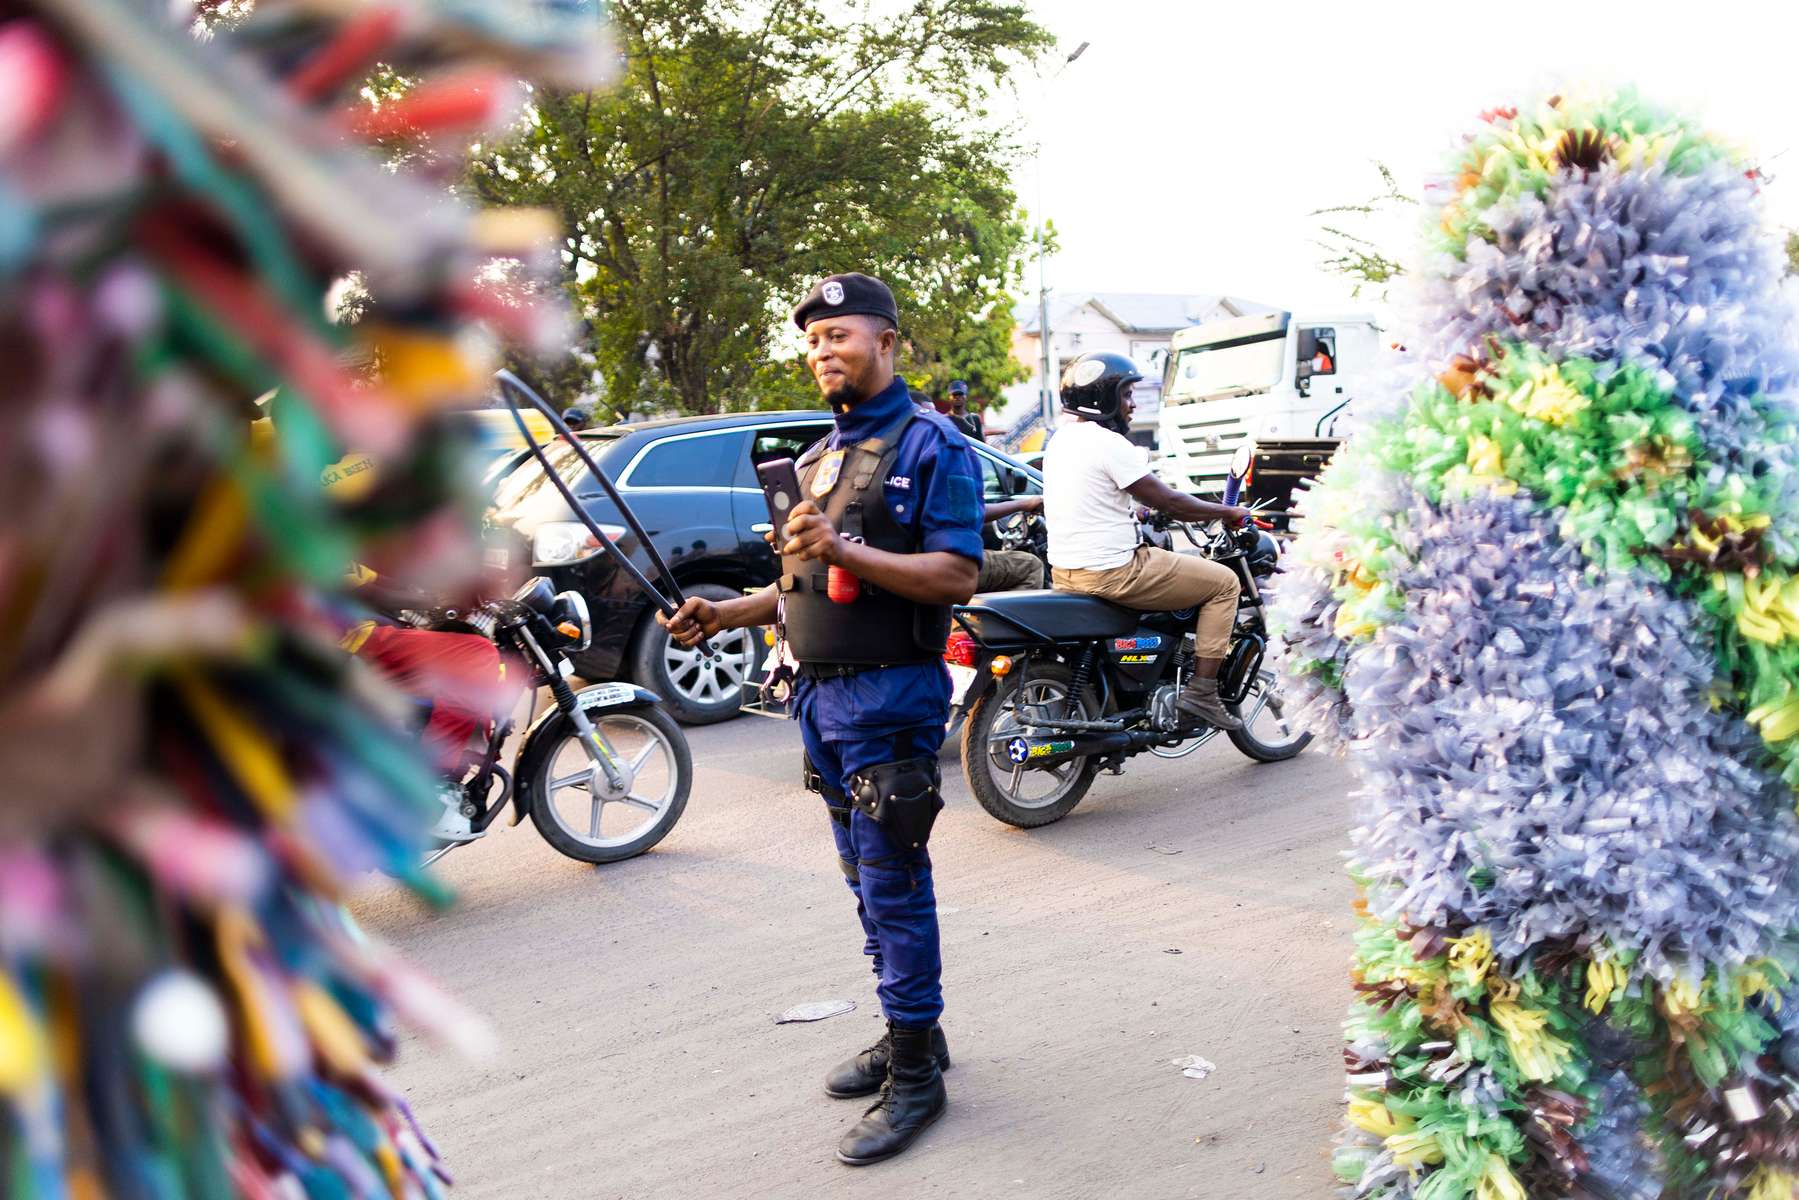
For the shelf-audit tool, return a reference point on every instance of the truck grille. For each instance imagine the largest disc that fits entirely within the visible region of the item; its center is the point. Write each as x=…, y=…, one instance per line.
x=1197, y=456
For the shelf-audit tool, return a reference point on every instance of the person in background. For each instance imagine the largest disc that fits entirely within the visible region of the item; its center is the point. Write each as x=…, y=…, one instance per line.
x=578, y=416
x=968, y=422
x=888, y=538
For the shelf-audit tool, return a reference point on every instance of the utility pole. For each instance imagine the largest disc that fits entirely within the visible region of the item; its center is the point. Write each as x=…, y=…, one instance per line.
x=1046, y=395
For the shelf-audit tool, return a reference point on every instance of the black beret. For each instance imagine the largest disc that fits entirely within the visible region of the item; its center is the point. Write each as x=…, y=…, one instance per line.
x=853, y=294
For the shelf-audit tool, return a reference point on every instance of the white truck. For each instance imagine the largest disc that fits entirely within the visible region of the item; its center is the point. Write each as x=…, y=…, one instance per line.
x=1276, y=383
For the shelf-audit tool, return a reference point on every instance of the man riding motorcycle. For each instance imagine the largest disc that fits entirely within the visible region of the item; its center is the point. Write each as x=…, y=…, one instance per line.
x=1093, y=477
x=460, y=675
x=1008, y=570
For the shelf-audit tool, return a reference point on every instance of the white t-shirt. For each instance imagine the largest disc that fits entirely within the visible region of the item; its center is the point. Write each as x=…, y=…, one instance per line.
x=1085, y=471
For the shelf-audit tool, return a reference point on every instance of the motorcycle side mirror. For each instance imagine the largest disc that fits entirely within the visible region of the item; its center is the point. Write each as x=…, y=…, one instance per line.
x=1241, y=460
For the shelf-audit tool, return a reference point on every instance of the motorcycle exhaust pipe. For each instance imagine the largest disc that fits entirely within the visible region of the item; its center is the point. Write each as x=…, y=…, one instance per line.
x=1052, y=751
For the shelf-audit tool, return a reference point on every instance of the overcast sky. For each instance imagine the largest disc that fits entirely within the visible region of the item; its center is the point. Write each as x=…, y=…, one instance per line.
x=1185, y=149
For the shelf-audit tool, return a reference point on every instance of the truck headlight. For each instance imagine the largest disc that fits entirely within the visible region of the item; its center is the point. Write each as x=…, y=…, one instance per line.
x=558, y=543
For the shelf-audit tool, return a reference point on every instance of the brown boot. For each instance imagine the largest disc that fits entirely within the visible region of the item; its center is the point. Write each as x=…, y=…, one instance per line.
x=1200, y=699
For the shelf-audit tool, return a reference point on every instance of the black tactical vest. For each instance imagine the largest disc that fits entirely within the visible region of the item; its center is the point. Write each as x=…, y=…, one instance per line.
x=878, y=628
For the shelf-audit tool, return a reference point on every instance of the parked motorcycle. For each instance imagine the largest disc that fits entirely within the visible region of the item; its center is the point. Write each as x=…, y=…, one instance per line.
x=603, y=773
x=1062, y=684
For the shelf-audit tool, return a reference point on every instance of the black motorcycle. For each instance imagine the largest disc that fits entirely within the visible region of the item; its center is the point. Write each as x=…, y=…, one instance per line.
x=1065, y=684
x=603, y=772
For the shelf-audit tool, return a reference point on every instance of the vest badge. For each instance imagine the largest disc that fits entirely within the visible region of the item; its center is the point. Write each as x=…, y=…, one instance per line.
x=825, y=478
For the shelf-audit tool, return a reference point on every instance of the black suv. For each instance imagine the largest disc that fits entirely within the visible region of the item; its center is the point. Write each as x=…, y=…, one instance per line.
x=691, y=481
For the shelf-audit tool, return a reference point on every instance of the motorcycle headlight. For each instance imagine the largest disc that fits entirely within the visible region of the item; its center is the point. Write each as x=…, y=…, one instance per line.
x=558, y=543
x=571, y=608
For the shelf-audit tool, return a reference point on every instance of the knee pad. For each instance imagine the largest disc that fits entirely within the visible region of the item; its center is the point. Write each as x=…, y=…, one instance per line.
x=903, y=797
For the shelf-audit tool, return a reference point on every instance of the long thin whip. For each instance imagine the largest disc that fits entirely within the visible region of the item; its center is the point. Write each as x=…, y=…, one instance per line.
x=513, y=388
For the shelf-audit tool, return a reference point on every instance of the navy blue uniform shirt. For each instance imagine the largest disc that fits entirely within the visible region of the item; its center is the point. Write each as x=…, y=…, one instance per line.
x=934, y=490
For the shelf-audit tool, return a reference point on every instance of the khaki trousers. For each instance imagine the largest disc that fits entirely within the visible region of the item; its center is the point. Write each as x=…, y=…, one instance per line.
x=1009, y=570
x=1161, y=581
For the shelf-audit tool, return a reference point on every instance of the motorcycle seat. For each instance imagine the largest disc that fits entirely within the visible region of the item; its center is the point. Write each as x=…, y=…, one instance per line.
x=1059, y=615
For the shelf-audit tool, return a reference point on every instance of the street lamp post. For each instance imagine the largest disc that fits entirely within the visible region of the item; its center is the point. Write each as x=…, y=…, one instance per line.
x=1046, y=395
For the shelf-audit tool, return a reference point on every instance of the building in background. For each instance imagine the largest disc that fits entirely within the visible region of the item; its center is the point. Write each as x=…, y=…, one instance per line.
x=1135, y=323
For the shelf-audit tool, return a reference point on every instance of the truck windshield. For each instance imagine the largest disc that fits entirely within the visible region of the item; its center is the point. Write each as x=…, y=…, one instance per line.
x=1233, y=367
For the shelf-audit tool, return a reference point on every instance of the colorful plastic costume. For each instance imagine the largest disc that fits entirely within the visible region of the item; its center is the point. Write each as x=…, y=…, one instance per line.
x=194, y=772
x=1548, y=599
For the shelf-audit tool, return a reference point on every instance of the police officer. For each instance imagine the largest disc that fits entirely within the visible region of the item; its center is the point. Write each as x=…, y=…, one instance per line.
x=887, y=538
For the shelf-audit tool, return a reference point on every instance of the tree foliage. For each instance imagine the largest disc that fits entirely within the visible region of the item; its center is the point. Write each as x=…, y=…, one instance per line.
x=754, y=145
x=1349, y=250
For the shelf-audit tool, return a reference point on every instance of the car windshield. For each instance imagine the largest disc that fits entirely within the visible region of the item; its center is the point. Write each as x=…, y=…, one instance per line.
x=1232, y=368
x=529, y=479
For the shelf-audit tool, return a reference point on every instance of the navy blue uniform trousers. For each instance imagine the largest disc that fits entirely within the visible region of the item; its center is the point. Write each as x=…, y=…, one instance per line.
x=894, y=896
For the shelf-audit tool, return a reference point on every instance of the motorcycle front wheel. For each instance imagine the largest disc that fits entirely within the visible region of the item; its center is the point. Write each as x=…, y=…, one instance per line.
x=592, y=826
x=1026, y=798
x=1267, y=735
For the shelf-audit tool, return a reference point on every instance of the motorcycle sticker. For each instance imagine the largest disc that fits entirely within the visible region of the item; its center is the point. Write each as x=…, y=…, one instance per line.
x=605, y=695
x=1021, y=751
x=1137, y=643
x=1132, y=659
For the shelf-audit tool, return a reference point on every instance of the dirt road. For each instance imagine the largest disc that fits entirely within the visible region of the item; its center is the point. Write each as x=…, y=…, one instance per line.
x=1190, y=907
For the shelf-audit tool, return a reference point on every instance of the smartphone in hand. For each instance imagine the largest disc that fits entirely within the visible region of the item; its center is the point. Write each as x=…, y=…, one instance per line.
x=781, y=488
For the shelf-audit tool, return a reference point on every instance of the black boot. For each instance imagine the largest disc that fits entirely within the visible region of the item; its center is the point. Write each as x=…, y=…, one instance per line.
x=864, y=1074
x=911, y=1098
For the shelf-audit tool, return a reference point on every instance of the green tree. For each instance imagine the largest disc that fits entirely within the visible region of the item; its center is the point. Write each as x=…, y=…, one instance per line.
x=751, y=147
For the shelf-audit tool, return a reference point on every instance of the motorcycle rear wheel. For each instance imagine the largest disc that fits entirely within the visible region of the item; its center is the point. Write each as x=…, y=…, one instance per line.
x=998, y=786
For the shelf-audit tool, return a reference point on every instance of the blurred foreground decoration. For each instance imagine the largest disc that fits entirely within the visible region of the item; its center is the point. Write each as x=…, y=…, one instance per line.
x=1549, y=599
x=194, y=772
